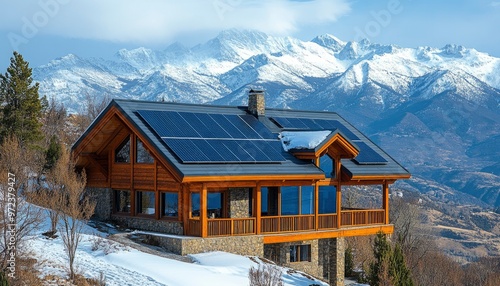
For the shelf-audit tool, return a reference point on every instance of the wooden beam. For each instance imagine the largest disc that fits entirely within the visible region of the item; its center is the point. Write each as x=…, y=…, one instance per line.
x=385, y=199
x=100, y=168
x=185, y=200
x=294, y=177
x=316, y=206
x=338, y=190
x=343, y=232
x=203, y=211
x=113, y=136
x=257, y=207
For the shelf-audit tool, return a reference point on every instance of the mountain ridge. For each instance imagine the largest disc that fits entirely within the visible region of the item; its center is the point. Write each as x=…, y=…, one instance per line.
x=431, y=108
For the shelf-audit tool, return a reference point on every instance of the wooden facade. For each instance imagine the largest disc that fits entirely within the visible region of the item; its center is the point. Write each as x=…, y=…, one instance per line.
x=155, y=190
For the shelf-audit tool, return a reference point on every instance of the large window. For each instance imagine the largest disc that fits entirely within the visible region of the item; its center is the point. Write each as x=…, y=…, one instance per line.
x=300, y=253
x=306, y=200
x=170, y=204
x=326, y=164
x=122, y=201
x=122, y=153
x=269, y=201
x=195, y=204
x=146, y=203
x=327, y=199
x=215, y=203
x=142, y=155
x=290, y=200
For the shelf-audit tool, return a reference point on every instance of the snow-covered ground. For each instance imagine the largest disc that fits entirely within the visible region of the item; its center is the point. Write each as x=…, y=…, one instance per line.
x=123, y=265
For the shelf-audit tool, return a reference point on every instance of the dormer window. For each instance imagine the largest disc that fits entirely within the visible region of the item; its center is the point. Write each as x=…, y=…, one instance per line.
x=326, y=164
x=122, y=153
x=142, y=155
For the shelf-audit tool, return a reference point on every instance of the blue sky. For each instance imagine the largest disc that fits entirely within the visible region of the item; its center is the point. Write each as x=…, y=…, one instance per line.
x=43, y=30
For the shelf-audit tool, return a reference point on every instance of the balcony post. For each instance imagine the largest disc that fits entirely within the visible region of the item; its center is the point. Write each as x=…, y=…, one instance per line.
x=257, y=195
x=316, y=206
x=339, y=191
x=203, y=211
x=385, y=199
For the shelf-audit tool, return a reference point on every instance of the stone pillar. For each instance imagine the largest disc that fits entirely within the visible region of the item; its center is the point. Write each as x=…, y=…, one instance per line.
x=104, y=202
x=238, y=202
x=337, y=261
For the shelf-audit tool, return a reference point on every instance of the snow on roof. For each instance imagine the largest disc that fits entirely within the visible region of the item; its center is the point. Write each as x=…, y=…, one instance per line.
x=302, y=139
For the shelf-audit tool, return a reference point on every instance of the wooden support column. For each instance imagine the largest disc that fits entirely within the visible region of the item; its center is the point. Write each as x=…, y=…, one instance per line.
x=385, y=200
x=185, y=207
x=203, y=211
x=257, y=196
x=338, y=177
x=316, y=206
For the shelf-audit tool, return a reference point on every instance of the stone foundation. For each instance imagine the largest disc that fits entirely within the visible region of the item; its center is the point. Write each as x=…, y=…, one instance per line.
x=104, y=202
x=280, y=253
x=162, y=226
x=184, y=245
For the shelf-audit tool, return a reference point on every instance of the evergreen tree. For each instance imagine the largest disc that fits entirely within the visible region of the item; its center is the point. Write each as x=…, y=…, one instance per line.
x=20, y=105
x=349, y=262
x=53, y=153
x=389, y=266
x=399, y=273
x=381, y=252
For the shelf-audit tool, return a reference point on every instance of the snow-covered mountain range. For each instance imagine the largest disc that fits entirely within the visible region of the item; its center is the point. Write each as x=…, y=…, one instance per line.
x=435, y=109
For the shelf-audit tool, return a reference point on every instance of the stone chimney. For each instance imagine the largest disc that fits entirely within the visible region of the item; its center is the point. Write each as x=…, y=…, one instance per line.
x=256, y=102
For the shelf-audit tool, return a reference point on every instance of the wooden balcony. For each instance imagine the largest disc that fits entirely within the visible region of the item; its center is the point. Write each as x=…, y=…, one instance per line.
x=287, y=224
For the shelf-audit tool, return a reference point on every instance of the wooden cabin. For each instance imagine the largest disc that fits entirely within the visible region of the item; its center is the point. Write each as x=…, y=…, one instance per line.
x=245, y=179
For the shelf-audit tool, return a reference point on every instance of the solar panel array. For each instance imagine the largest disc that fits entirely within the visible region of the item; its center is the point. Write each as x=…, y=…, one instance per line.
x=367, y=156
x=215, y=138
x=314, y=124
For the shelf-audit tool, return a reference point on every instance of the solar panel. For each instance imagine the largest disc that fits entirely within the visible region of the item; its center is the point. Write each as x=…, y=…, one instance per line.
x=368, y=156
x=224, y=151
x=314, y=124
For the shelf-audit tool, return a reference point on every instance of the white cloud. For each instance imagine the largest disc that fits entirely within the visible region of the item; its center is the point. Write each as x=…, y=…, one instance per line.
x=157, y=21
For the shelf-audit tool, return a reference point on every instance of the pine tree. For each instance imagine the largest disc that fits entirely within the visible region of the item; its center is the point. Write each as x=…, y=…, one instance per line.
x=381, y=252
x=20, y=105
x=399, y=273
x=389, y=267
x=53, y=153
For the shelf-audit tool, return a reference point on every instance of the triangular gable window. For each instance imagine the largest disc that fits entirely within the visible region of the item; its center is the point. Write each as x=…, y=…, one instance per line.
x=142, y=155
x=122, y=153
x=326, y=164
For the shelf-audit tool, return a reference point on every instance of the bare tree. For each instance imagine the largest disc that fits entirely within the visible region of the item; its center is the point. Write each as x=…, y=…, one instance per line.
x=18, y=218
x=265, y=275
x=75, y=207
x=91, y=108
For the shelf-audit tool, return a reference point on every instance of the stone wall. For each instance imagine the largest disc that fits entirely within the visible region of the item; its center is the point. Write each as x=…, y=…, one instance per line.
x=104, y=202
x=184, y=245
x=162, y=226
x=280, y=253
x=238, y=203
x=333, y=259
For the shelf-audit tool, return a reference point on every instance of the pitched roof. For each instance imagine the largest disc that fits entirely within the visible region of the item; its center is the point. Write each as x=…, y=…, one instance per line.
x=217, y=141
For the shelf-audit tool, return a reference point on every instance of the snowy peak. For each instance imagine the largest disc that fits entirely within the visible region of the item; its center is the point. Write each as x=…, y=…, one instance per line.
x=330, y=42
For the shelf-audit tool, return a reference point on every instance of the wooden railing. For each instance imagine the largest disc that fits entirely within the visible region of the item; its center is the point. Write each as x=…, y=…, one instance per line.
x=327, y=221
x=294, y=223
x=231, y=226
x=194, y=227
x=362, y=217
x=274, y=224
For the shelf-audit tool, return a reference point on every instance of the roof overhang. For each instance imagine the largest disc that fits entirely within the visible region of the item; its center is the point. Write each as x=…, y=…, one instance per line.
x=336, y=144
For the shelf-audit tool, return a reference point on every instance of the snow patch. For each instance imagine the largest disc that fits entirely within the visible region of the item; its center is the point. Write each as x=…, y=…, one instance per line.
x=302, y=139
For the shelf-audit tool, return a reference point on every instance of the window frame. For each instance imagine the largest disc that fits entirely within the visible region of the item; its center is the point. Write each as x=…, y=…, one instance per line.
x=120, y=147
x=116, y=204
x=138, y=203
x=299, y=249
x=136, y=151
x=163, y=199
